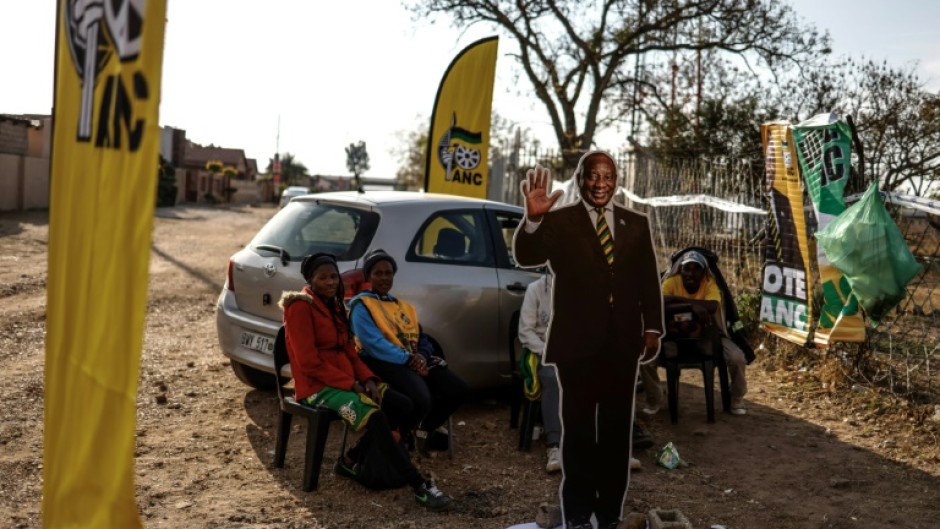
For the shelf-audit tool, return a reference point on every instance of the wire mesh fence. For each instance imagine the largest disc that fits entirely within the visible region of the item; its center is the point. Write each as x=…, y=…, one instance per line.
x=904, y=348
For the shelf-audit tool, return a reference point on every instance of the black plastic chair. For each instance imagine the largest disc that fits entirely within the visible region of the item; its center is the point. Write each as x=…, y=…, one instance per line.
x=318, y=422
x=690, y=357
x=531, y=413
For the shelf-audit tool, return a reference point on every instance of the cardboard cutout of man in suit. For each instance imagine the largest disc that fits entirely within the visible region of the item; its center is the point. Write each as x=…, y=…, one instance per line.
x=607, y=318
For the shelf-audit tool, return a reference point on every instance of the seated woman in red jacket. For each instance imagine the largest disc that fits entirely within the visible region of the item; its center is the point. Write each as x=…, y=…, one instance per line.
x=328, y=372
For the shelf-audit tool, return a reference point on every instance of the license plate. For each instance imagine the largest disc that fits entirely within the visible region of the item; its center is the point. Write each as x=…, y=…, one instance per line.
x=258, y=342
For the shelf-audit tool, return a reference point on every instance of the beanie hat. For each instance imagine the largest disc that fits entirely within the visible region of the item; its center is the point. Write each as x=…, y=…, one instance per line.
x=313, y=261
x=374, y=257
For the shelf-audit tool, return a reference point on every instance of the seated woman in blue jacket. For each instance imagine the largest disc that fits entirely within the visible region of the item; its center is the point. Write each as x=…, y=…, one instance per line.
x=393, y=347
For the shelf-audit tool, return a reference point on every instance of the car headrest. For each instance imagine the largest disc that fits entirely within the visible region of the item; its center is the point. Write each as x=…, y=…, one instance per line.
x=450, y=243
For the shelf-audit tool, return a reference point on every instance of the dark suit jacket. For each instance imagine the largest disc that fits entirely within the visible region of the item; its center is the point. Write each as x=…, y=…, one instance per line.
x=582, y=314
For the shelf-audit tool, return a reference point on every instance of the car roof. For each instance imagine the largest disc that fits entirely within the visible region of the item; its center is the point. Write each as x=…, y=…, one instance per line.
x=380, y=198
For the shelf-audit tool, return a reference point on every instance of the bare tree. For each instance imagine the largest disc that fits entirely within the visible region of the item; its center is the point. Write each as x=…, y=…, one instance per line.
x=357, y=161
x=898, y=122
x=581, y=57
x=412, y=155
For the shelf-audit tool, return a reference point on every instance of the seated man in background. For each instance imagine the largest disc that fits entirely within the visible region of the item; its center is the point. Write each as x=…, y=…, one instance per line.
x=394, y=348
x=691, y=279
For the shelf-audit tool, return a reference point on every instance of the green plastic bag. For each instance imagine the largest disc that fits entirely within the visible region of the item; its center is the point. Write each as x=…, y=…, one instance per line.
x=865, y=244
x=668, y=456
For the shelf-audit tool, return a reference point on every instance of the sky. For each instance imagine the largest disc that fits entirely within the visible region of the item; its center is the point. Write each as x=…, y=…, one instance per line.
x=310, y=77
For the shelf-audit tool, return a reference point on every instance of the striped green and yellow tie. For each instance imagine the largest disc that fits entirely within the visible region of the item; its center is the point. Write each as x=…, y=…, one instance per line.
x=607, y=242
x=603, y=235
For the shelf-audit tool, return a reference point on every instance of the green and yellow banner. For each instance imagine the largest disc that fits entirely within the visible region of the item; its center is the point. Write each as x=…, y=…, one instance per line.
x=104, y=167
x=785, y=307
x=824, y=146
x=459, y=138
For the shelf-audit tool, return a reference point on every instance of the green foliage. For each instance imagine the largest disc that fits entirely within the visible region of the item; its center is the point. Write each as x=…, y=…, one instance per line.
x=748, y=304
x=293, y=172
x=166, y=185
x=357, y=158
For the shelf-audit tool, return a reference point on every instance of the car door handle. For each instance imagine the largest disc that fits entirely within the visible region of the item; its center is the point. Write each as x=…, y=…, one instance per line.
x=516, y=287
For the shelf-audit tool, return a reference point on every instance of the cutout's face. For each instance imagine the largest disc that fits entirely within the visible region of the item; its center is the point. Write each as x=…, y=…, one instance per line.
x=325, y=280
x=692, y=274
x=382, y=277
x=598, y=180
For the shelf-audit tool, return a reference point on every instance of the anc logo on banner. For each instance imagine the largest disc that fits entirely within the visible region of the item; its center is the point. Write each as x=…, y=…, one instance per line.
x=824, y=146
x=105, y=155
x=785, y=308
x=94, y=32
x=459, y=155
x=460, y=124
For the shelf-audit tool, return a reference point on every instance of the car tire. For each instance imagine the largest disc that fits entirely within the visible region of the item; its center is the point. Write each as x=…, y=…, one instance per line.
x=254, y=377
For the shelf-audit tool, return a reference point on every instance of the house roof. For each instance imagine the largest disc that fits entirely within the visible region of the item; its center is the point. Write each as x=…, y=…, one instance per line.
x=31, y=120
x=197, y=155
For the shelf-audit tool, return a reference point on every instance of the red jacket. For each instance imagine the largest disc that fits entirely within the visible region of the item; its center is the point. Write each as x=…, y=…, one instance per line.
x=319, y=345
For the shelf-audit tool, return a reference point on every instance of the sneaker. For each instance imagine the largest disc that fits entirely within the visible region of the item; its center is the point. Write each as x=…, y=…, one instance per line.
x=650, y=410
x=431, y=497
x=737, y=408
x=340, y=468
x=635, y=464
x=554, y=460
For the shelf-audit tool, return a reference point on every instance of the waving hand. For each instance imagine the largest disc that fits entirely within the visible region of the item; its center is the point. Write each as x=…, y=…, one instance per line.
x=535, y=189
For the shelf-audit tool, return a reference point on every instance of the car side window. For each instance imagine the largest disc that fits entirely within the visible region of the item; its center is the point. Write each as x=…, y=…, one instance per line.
x=457, y=237
x=505, y=226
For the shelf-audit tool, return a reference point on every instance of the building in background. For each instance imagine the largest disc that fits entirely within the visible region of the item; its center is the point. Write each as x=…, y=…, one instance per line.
x=25, y=142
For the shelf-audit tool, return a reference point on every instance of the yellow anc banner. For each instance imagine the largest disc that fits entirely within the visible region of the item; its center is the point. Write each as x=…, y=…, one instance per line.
x=785, y=305
x=459, y=137
x=105, y=154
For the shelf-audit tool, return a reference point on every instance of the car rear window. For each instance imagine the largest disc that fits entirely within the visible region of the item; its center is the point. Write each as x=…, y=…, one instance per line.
x=303, y=228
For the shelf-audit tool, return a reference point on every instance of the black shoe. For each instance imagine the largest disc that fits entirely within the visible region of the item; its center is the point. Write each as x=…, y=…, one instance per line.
x=641, y=438
x=435, y=440
x=579, y=523
x=341, y=469
x=431, y=497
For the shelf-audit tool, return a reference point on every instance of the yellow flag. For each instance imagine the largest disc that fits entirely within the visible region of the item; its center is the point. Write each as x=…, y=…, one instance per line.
x=104, y=166
x=459, y=138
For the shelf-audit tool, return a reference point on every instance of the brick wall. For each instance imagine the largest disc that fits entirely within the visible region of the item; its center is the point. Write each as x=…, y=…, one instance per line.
x=13, y=137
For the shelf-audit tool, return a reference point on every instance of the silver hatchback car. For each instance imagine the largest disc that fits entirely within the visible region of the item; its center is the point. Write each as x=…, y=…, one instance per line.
x=454, y=264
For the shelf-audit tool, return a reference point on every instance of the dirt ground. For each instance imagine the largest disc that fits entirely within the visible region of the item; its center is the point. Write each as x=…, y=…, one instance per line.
x=811, y=452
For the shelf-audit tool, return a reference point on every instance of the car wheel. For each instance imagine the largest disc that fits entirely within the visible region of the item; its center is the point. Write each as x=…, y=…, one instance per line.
x=254, y=377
